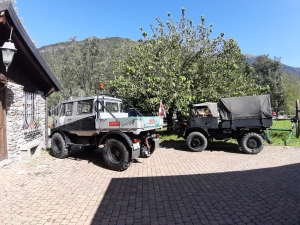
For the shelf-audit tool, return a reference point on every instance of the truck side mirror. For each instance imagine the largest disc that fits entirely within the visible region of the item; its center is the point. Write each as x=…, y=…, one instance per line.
x=49, y=112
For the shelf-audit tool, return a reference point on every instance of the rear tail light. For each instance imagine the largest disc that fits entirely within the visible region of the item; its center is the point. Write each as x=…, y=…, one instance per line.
x=157, y=135
x=136, y=140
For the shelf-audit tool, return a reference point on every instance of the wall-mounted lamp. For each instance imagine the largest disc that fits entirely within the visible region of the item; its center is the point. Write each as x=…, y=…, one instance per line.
x=8, y=51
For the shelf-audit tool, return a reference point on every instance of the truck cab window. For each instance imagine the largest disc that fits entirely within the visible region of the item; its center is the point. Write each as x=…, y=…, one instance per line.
x=112, y=106
x=67, y=109
x=85, y=107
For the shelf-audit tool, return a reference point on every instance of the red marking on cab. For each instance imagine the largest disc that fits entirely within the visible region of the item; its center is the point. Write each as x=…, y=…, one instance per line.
x=112, y=124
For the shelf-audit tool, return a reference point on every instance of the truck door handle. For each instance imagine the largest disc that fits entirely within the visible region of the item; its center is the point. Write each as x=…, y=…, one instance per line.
x=90, y=118
x=69, y=119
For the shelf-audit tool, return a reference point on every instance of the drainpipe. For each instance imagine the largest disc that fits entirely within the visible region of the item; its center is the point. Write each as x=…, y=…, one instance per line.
x=46, y=123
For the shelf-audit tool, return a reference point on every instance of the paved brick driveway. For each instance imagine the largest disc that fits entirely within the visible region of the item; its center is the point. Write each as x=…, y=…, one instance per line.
x=173, y=186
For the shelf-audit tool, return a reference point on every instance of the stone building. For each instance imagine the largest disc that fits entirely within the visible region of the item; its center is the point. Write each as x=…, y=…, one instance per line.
x=24, y=89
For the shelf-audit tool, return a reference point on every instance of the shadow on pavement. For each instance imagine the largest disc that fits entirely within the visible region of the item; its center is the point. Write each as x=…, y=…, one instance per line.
x=94, y=157
x=263, y=196
x=180, y=145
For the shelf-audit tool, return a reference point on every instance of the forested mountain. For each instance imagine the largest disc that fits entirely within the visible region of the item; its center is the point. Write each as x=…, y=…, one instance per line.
x=81, y=65
x=287, y=69
x=53, y=54
x=111, y=49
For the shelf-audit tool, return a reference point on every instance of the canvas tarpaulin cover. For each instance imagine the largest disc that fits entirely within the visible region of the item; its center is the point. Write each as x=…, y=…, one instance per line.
x=245, y=107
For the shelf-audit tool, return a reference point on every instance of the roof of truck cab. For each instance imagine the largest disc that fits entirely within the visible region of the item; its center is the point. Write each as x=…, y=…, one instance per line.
x=204, y=104
x=77, y=99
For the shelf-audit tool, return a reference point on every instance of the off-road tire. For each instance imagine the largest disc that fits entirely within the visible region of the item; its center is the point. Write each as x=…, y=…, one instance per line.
x=196, y=142
x=239, y=140
x=115, y=155
x=252, y=143
x=58, y=146
x=152, y=145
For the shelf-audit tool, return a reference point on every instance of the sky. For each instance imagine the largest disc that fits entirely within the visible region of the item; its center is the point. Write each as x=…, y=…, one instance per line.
x=259, y=26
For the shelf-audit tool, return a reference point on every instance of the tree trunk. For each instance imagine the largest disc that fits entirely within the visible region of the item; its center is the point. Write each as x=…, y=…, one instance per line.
x=170, y=121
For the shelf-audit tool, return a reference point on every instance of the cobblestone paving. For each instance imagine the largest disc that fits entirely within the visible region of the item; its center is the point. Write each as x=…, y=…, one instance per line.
x=173, y=186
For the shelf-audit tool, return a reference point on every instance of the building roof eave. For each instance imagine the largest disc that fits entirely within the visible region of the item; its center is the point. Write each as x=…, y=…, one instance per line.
x=23, y=36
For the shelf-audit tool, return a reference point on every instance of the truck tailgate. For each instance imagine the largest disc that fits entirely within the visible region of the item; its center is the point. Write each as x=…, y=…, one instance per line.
x=130, y=123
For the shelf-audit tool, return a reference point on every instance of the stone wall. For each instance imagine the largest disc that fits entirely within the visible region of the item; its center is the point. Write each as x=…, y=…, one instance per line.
x=21, y=142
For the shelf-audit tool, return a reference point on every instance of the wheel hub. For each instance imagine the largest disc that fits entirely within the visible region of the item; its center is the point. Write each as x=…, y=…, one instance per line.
x=116, y=154
x=252, y=143
x=196, y=142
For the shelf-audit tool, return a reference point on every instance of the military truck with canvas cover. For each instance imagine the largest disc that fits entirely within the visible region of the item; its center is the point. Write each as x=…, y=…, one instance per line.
x=242, y=118
x=101, y=120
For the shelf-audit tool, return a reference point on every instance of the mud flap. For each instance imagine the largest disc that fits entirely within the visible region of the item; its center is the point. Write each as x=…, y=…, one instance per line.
x=156, y=143
x=136, y=150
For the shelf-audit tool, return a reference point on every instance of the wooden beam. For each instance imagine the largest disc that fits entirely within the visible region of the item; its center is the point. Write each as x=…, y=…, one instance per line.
x=50, y=91
x=2, y=19
x=3, y=79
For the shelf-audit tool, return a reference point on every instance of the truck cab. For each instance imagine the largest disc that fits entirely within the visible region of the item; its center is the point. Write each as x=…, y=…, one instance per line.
x=88, y=122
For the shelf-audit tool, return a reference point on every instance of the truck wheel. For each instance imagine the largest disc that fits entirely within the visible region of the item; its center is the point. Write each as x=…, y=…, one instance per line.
x=152, y=147
x=239, y=140
x=196, y=142
x=58, y=146
x=115, y=155
x=252, y=143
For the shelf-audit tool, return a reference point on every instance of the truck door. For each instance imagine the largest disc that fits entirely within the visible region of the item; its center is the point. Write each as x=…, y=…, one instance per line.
x=84, y=119
x=65, y=116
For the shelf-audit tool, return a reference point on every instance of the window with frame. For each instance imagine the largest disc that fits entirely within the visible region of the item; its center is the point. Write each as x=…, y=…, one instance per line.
x=112, y=106
x=32, y=112
x=67, y=109
x=85, y=107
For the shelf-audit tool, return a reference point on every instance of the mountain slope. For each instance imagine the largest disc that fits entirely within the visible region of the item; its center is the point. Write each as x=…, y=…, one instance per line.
x=110, y=49
x=53, y=54
x=288, y=69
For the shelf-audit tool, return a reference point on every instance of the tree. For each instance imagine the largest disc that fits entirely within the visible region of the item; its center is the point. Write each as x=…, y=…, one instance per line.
x=269, y=72
x=81, y=65
x=291, y=84
x=180, y=64
x=82, y=68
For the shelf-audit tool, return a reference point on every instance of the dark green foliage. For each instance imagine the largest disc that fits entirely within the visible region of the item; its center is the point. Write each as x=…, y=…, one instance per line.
x=181, y=64
x=283, y=83
x=286, y=69
x=269, y=72
x=291, y=84
x=81, y=65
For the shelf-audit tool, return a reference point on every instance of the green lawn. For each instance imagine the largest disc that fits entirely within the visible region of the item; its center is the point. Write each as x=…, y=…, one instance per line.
x=278, y=137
